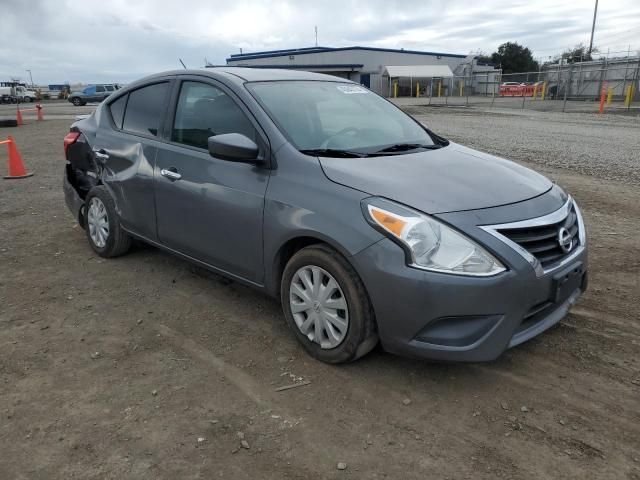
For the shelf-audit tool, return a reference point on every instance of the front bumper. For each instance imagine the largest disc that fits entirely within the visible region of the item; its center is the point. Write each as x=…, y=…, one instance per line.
x=449, y=317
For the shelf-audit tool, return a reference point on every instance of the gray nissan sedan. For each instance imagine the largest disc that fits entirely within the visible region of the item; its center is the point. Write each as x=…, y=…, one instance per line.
x=365, y=224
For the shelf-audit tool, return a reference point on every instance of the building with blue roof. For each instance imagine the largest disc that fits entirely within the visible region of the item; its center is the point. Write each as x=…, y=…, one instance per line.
x=365, y=65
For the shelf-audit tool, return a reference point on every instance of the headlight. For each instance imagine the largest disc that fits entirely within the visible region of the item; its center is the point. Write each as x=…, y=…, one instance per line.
x=431, y=244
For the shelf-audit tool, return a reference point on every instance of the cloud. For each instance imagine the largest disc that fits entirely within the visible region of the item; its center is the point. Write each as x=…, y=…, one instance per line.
x=94, y=41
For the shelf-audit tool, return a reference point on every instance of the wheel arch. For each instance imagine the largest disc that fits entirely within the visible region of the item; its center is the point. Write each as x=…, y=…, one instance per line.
x=289, y=248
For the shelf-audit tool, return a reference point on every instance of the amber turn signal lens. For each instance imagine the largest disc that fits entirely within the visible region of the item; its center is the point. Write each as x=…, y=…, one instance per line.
x=388, y=221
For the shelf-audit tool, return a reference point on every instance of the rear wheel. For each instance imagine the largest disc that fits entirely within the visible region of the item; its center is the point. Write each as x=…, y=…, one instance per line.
x=105, y=235
x=326, y=305
x=76, y=101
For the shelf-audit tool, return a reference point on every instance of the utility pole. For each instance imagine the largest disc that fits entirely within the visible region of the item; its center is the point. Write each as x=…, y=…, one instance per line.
x=593, y=28
x=30, y=76
x=316, y=30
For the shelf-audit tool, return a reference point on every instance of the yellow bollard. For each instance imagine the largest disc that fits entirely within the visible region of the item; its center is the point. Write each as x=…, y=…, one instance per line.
x=439, y=88
x=535, y=91
x=628, y=96
x=395, y=89
x=461, y=88
x=609, y=95
x=417, y=89
x=544, y=90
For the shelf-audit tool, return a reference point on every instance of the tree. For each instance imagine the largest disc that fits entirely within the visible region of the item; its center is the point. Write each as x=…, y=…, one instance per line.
x=577, y=54
x=514, y=58
x=482, y=57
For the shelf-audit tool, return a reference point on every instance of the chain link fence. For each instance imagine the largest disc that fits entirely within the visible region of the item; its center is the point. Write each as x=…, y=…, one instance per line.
x=610, y=84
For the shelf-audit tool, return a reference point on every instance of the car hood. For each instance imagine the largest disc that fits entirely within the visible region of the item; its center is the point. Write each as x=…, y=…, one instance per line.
x=450, y=179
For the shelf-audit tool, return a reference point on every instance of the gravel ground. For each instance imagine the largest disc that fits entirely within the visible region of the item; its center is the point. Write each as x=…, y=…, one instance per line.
x=603, y=146
x=523, y=104
x=52, y=110
x=145, y=367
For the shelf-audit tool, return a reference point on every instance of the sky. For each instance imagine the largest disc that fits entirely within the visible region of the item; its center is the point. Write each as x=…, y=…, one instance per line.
x=92, y=41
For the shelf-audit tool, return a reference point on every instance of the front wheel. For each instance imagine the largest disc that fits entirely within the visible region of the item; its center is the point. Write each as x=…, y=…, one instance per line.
x=105, y=235
x=76, y=101
x=326, y=305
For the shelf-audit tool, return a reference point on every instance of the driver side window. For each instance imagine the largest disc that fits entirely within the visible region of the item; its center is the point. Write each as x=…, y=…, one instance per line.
x=204, y=111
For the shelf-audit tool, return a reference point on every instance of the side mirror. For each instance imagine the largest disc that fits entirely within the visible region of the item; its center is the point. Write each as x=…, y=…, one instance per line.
x=234, y=147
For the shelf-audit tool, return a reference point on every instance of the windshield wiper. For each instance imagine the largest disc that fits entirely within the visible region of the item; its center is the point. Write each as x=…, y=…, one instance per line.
x=403, y=147
x=332, y=152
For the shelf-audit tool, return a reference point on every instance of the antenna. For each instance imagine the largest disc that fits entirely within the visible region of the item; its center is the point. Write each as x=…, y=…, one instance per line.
x=316, y=29
x=185, y=67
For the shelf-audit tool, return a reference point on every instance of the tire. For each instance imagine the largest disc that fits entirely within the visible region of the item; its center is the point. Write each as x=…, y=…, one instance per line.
x=116, y=241
x=361, y=335
x=76, y=101
x=27, y=100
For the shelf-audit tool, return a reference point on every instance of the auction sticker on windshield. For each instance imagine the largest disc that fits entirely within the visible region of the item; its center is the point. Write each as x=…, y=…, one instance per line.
x=351, y=89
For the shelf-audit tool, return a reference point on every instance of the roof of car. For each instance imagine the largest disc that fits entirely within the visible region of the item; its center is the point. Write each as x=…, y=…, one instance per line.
x=245, y=74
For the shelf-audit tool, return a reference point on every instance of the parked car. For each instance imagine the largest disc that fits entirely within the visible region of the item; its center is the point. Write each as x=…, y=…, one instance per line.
x=511, y=89
x=363, y=222
x=92, y=93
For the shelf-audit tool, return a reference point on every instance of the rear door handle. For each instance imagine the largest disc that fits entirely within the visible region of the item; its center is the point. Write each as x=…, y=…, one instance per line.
x=101, y=154
x=170, y=173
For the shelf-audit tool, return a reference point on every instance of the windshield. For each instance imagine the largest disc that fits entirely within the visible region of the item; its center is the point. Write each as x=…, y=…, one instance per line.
x=337, y=116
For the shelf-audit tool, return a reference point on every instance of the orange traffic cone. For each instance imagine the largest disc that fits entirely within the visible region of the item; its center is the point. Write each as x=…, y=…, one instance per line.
x=16, y=167
x=40, y=114
x=19, y=116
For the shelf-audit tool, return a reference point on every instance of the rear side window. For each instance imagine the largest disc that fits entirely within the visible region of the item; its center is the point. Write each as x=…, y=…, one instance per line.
x=204, y=111
x=145, y=109
x=117, y=110
x=99, y=88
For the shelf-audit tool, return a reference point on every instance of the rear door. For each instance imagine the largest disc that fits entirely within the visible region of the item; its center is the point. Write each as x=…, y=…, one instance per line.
x=214, y=211
x=101, y=93
x=130, y=136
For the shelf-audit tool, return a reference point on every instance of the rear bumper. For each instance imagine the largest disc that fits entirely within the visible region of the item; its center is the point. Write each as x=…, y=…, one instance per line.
x=72, y=199
x=461, y=319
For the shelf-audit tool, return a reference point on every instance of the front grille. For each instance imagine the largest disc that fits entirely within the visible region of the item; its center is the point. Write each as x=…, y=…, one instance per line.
x=542, y=241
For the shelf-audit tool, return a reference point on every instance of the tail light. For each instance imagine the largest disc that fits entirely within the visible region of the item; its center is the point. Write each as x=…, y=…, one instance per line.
x=69, y=139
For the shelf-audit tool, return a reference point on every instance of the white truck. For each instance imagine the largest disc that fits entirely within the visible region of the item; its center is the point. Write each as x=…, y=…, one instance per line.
x=16, y=94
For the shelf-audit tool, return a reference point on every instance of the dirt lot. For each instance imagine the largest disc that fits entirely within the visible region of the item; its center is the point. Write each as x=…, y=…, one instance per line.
x=145, y=367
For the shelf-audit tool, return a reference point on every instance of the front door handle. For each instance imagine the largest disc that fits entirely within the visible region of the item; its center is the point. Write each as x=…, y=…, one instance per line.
x=170, y=173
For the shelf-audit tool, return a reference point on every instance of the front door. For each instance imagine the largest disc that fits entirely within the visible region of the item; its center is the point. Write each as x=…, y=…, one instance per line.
x=208, y=208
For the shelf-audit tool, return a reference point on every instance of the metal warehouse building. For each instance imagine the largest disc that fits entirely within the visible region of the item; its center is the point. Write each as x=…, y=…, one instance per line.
x=372, y=67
